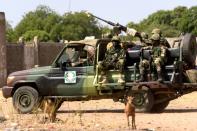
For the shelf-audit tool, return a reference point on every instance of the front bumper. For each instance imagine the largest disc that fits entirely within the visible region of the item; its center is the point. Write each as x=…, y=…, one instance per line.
x=7, y=91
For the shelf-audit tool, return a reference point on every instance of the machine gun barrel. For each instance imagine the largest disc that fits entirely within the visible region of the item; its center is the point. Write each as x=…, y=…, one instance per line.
x=121, y=27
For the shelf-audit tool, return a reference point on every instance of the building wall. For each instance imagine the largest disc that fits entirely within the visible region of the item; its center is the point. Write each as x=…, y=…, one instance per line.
x=15, y=57
x=22, y=56
x=47, y=52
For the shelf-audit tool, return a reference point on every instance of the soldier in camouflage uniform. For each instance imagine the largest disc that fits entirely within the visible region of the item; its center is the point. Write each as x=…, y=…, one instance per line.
x=163, y=41
x=145, y=40
x=114, y=59
x=144, y=67
x=158, y=57
x=144, y=64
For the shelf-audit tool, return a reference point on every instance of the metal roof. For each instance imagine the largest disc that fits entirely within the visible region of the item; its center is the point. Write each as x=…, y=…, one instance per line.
x=92, y=42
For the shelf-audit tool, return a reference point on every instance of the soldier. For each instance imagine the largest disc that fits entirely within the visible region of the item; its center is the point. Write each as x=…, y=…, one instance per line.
x=144, y=64
x=158, y=57
x=145, y=40
x=163, y=41
x=114, y=59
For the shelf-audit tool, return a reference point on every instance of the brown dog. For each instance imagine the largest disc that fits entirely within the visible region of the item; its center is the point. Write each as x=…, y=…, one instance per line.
x=130, y=111
x=50, y=107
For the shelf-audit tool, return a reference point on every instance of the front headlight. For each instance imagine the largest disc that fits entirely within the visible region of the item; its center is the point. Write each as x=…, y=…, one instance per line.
x=10, y=79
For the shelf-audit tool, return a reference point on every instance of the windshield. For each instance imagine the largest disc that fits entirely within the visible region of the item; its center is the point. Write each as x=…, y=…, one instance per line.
x=76, y=55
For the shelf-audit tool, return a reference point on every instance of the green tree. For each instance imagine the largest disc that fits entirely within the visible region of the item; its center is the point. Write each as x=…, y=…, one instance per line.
x=188, y=21
x=42, y=35
x=106, y=31
x=172, y=22
x=70, y=26
x=78, y=25
x=10, y=34
x=42, y=19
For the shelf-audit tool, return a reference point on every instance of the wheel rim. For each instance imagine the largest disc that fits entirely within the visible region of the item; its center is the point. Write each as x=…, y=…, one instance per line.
x=139, y=99
x=24, y=100
x=143, y=98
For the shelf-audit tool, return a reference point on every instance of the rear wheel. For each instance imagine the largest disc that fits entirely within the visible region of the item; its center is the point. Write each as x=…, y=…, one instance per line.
x=143, y=99
x=25, y=99
x=160, y=107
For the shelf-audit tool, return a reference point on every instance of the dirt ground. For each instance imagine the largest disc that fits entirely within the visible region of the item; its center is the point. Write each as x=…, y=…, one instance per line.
x=180, y=115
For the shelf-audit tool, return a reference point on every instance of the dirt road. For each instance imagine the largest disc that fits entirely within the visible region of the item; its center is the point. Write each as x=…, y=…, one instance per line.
x=180, y=115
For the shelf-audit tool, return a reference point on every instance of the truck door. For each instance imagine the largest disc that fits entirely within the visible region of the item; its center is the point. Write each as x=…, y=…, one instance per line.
x=69, y=77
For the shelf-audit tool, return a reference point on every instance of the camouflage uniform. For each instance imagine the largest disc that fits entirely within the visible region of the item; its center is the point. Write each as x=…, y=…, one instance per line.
x=145, y=40
x=158, y=57
x=114, y=59
x=144, y=64
x=163, y=41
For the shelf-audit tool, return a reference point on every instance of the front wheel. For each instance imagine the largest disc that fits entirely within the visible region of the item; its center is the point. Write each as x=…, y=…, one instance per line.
x=25, y=99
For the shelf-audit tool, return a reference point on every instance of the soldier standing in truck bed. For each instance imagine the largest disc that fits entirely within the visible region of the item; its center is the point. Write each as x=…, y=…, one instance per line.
x=114, y=59
x=158, y=57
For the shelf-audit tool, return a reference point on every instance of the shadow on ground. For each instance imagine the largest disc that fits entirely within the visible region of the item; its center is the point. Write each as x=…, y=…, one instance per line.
x=122, y=111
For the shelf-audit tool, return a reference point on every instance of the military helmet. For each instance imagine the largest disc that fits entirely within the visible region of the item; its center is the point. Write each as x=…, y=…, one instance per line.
x=144, y=35
x=116, y=38
x=156, y=31
x=155, y=37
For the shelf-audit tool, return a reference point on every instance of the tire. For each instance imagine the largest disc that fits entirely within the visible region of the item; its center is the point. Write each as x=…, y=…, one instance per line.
x=159, y=108
x=143, y=99
x=25, y=99
x=189, y=49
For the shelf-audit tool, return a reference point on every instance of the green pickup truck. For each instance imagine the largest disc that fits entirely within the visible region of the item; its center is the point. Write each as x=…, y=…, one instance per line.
x=74, y=76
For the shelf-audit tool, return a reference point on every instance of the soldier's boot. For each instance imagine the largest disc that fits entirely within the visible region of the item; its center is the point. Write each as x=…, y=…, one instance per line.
x=121, y=79
x=142, y=76
x=103, y=79
x=160, y=78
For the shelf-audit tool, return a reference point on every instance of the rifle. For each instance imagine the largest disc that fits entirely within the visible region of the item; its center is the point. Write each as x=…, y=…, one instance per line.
x=121, y=27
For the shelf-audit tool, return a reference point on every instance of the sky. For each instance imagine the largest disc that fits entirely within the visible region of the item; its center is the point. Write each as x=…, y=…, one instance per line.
x=121, y=11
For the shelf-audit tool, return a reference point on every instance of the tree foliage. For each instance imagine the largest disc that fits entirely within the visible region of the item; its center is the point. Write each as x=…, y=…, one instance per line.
x=77, y=25
x=42, y=35
x=10, y=33
x=70, y=26
x=171, y=22
x=42, y=19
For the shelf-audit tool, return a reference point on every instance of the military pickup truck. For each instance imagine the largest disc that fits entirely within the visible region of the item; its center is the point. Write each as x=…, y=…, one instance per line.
x=74, y=76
